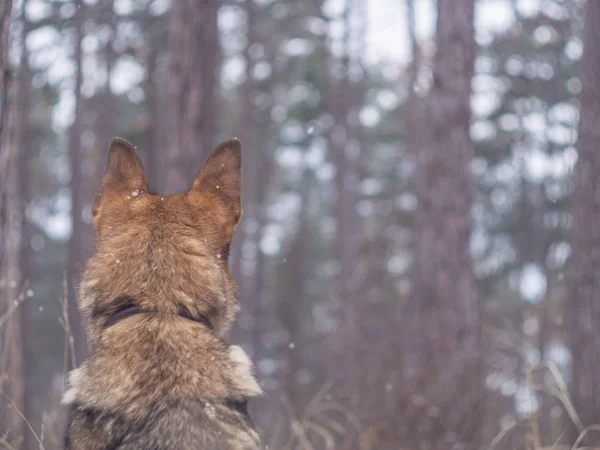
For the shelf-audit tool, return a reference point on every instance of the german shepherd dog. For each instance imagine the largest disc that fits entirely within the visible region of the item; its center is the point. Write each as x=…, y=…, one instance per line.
x=157, y=299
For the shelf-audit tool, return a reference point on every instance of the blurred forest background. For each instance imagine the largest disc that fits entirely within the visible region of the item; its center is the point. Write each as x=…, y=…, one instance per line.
x=419, y=257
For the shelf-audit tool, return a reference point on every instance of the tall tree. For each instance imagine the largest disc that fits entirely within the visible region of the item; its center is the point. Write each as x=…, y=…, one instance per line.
x=12, y=358
x=156, y=31
x=192, y=90
x=23, y=162
x=12, y=351
x=5, y=13
x=445, y=301
x=583, y=306
x=345, y=148
x=107, y=106
x=76, y=243
x=248, y=261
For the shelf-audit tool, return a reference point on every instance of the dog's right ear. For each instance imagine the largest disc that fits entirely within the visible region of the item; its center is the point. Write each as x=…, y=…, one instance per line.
x=124, y=175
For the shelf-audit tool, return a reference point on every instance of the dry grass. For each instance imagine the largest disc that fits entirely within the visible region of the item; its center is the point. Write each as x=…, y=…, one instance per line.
x=559, y=392
x=326, y=424
x=12, y=307
x=317, y=428
x=54, y=417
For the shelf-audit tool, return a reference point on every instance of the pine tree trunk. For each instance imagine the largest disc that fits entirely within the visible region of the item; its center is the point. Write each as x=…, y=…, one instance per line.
x=583, y=308
x=192, y=91
x=24, y=179
x=5, y=13
x=344, y=149
x=11, y=366
x=154, y=125
x=76, y=243
x=247, y=259
x=12, y=363
x=444, y=309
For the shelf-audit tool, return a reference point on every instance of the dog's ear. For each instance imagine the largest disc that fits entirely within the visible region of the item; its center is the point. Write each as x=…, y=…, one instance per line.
x=124, y=174
x=221, y=178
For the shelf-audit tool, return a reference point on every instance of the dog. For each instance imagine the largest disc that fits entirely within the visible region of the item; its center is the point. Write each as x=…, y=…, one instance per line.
x=157, y=298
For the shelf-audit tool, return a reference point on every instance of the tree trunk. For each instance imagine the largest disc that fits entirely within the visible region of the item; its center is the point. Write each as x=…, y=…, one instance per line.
x=583, y=307
x=106, y=103
x=12, y=350
x=192, y=91
x=24, y=179
x=14, y=100
x=345, y=149
x=11, y=366
x=153, y=130
x=77, y=197
x=247, y=259
x=5, y=13
x=444, y=310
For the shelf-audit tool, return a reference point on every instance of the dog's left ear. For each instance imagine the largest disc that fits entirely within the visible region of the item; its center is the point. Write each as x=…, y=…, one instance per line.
x=124, y=175
x=221, y=178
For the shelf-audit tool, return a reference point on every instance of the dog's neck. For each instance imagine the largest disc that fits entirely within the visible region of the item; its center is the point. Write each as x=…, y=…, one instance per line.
x=131, y=310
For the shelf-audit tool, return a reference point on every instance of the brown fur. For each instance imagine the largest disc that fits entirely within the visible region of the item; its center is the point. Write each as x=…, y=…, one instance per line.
x=157, y=380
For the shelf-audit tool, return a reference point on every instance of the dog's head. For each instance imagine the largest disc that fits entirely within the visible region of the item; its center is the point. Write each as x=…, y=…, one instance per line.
x=164, y=253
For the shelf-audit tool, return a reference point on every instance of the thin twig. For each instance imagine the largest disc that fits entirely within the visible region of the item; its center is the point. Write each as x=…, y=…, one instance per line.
x=18, y=411
x=14, y=305
x=583, y=434
x=42, y=429
x=559, y=438
x=69, y=344
x=6, y=443
x=565, y=396
x=324, y=433
x=501, y=436
x=535, y=429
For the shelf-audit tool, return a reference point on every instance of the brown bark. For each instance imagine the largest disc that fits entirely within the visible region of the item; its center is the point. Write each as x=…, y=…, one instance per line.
x=192, y=91
x=76, y=244
x=444, y=310
x=583, y=309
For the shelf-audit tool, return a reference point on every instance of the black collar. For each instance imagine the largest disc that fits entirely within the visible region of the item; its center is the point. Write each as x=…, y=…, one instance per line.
x=131, y=310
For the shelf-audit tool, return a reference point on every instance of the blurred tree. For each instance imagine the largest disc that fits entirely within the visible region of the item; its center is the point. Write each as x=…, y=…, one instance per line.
x=343, y=95
x=12, y=278
x=247, y=263
x=24, y=158
x=106, y=108
x=524, y=123
x=76, y=242
x=5, y=16
x=192, y=107
x=583, y=312
x=156, y=30
x=345, y=151
x=445, y=329
x=11, y=364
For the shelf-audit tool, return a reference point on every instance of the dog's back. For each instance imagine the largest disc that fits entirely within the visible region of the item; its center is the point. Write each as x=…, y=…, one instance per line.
x=157, y=298
x=171, y=424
